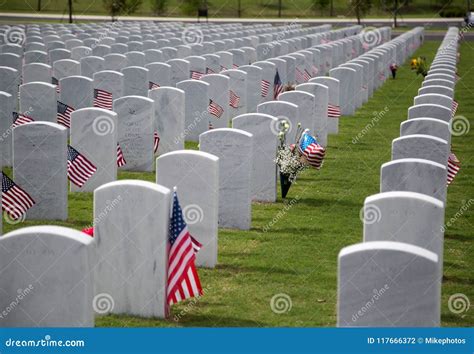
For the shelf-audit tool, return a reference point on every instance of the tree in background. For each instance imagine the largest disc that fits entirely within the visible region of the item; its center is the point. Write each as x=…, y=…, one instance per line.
x=360, y=8
x=321, y=5
x=159, y=7
x=121, y=7
x=394, y=7
x=191, y=7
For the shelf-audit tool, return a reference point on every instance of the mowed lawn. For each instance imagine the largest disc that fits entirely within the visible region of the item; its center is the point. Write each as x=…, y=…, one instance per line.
x=293, y=245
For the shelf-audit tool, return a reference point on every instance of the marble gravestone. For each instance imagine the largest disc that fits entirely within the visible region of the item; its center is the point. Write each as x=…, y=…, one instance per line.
x=130, y=238
x=40, y=168
x=91, y=65
x=441, y=90
x=7, y=106
x=36, y=72
x=433, y=98
x=427, y=126
x=197, y=116
x=66, y=67
x=306, y=105
x=407, y=217
x=414, y=175
x=254, y=86
x=49, y=266
x=135, y=58
x=9, y=82
x=234, y=148
x=421, y=146
x=237, y=92
x=284, y=112
x=39, y=100
x=268, y=76
x=196, y=176
x=431, y=111
x=94, y=133
x=218, y=99
x=386, y=284
x=179, y=70
x=159, y=75
x=77, y=91
x=333, y=108
x=264, y=129
x=110, y=81
x=135, y=81
x=169, y=118
x=346, y=77
x=115, y=62
x=135, y=131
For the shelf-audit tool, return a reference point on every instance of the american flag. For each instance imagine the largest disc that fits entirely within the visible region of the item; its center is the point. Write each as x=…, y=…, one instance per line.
x=196, y=75
x=265, y=86
x=277, y=86
x=64, y=114
x=223, y=68
x=210, y=126
x=315, y=70
x=102, y=99
x=55, y=81
x=210, y=71
x=79, y=168
x=152, y=85
x=120, y=158
x=196, y=245
x=334, y=111
x=234, y=100
x=156, y=141
x=215, y=109
x=454, y=108
x=299, y=75
x=454, y=165
x=183, y=279
x=15, y=201
x=309, y=147
x=234, y=66
x=20, y=119
x=306, y=75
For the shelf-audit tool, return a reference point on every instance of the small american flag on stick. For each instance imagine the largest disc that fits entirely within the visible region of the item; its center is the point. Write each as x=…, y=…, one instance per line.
x=215, y=109
x=20, y=119
x=152, y=85
x=314, y=153
x=55, y=81
x=234, y=100
x=15, y=201
x=183, y=279
x=120, y=158
x=234, y=66
x=196, y=75
x=102, y=99
x=265, y=86
x=277, y=86
x=334, y=111
x=299, y=75
x=210, y=71
x=454, y=165
x=79, y=168
x=156, y=141
x=64, y=114
x=306, y=75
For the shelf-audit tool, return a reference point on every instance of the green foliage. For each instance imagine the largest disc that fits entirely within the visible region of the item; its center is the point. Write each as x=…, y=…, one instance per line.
x=121, y=7
x=321, y=5
x=360, y=8
x=159, y=7
x=453, y=12
x=190, y=7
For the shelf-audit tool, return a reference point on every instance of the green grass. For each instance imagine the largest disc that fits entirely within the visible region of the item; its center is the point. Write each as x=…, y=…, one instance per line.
x=298, y=255
x=226, y=8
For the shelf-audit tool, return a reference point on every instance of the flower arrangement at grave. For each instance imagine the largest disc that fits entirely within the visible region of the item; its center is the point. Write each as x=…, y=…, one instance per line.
x=420, y=66
x=293, y=158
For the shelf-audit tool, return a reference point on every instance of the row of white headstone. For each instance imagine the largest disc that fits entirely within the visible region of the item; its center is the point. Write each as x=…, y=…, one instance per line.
x=124, y=269
x=394, y=277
